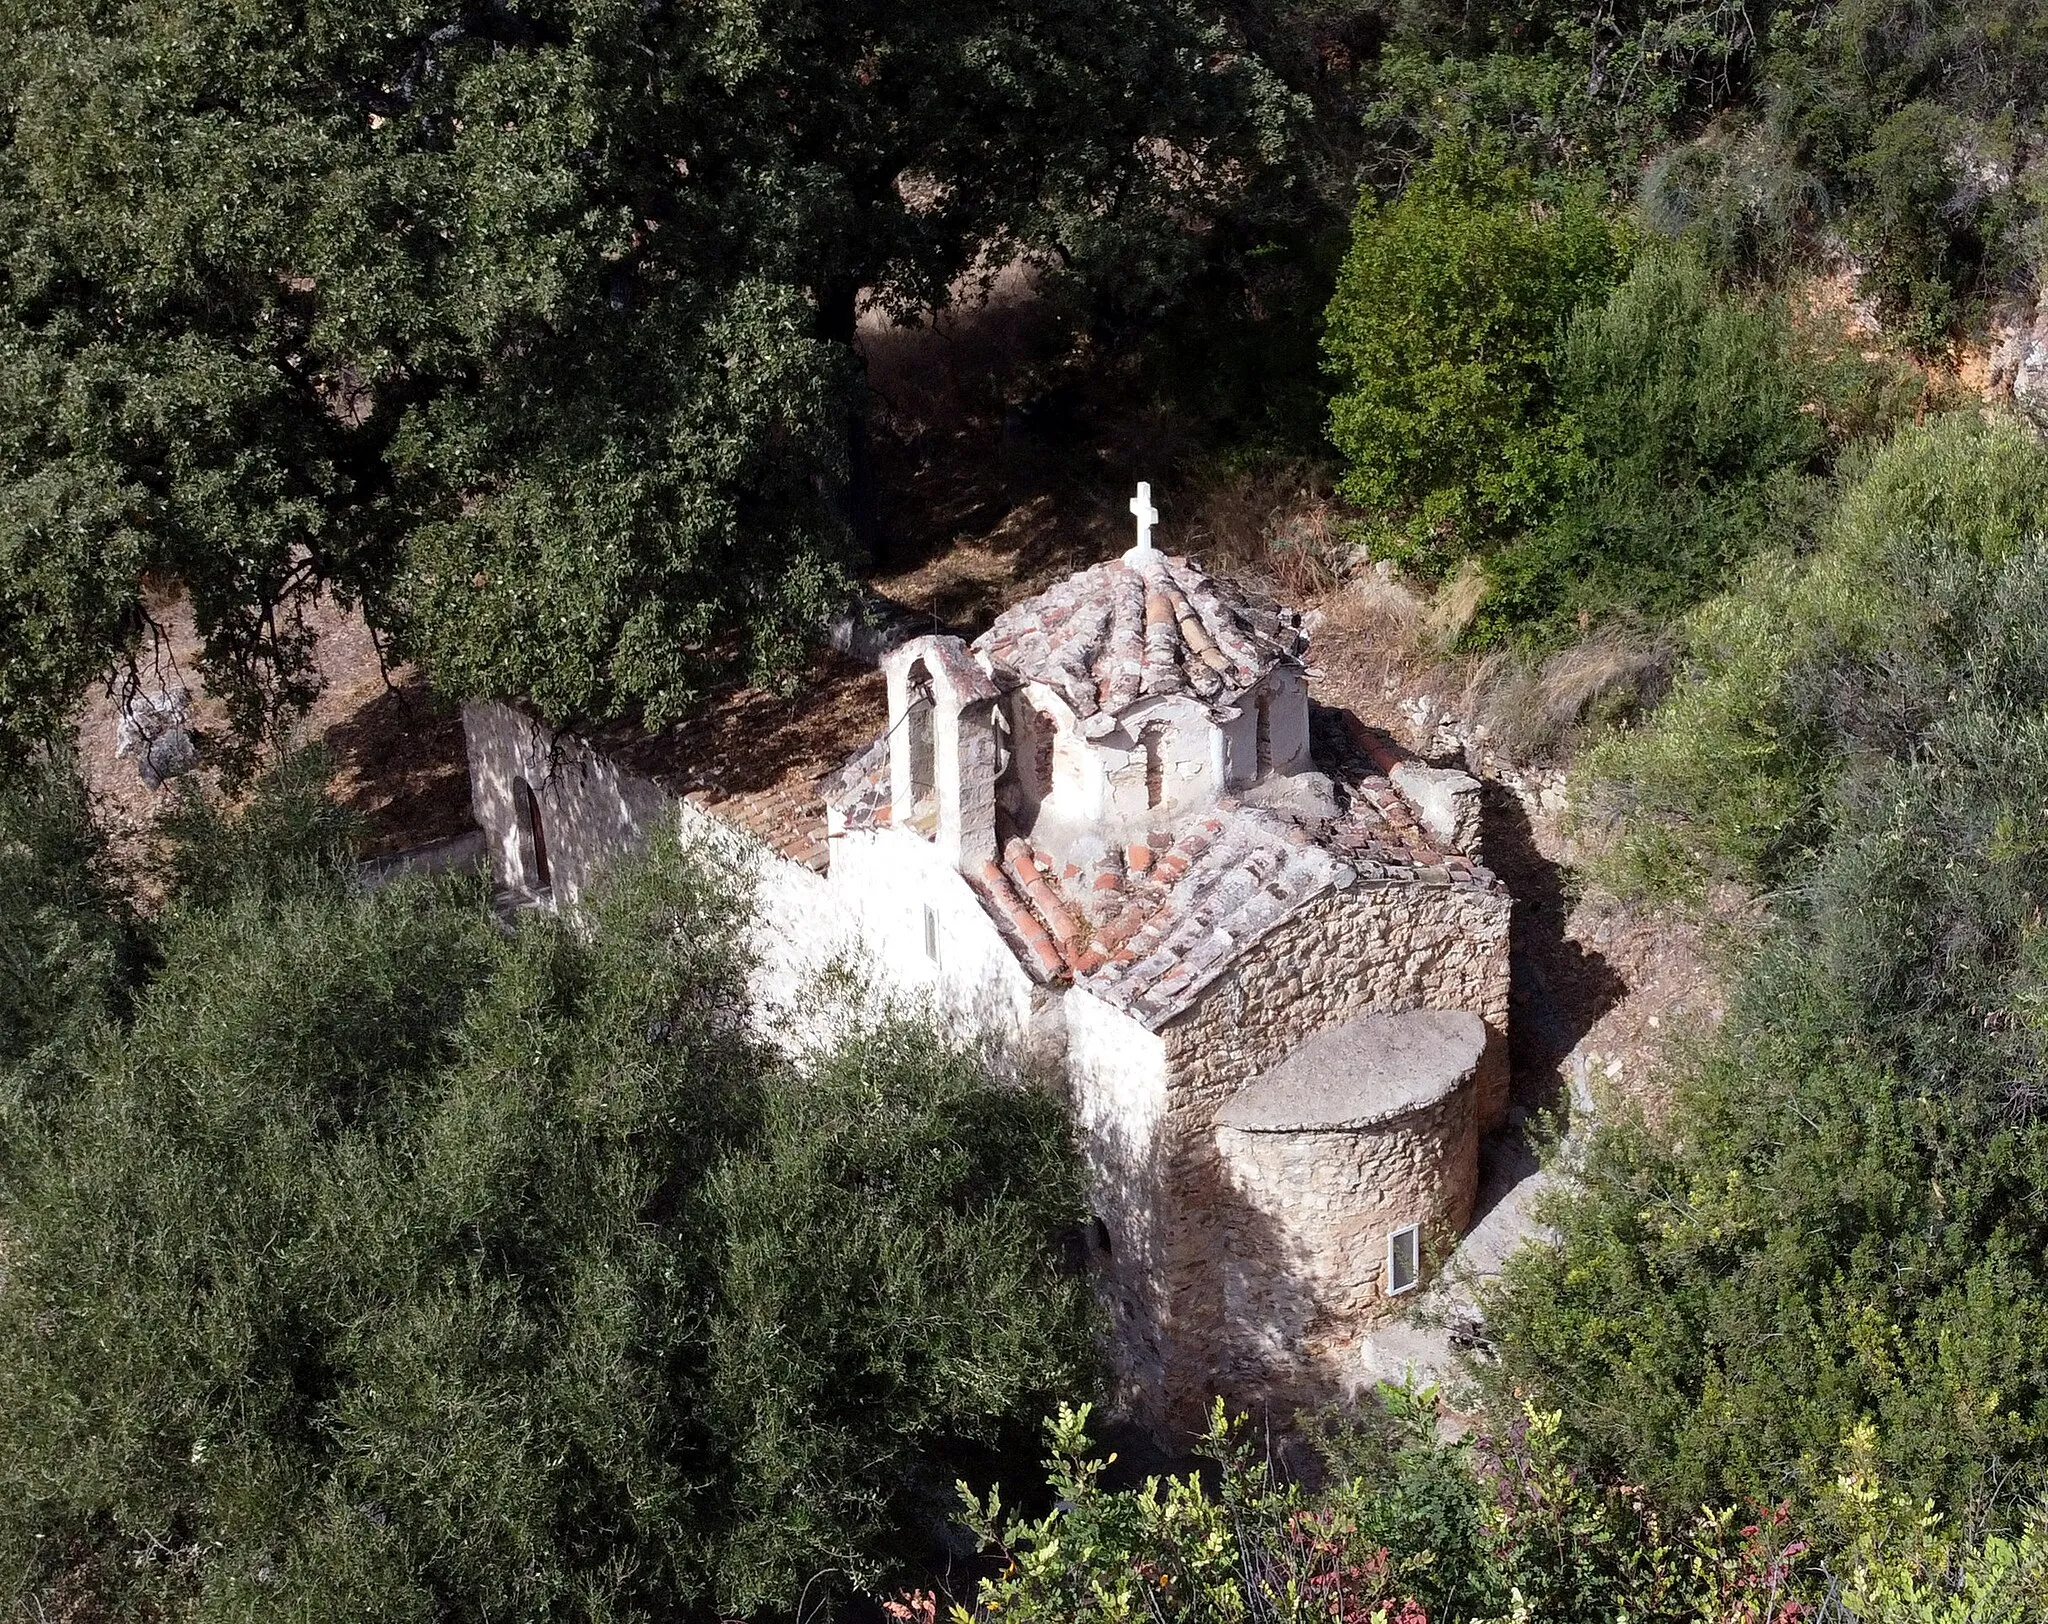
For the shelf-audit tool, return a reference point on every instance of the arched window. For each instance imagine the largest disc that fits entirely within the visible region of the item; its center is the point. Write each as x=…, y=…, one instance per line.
x=1264, y=757
x=533, y=836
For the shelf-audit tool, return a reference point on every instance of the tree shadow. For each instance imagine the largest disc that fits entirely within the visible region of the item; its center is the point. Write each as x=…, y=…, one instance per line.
x=401, y=766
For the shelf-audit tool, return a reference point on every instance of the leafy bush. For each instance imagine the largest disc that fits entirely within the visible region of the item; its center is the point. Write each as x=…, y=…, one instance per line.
x=1814, y=665
x=1688, y=407
x=1441, y=339
x=1843, y=1223
x=1405, y=1530
x=381, y=1265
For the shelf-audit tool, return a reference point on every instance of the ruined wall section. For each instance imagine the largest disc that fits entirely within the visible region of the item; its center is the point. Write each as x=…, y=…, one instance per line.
x=593, y=811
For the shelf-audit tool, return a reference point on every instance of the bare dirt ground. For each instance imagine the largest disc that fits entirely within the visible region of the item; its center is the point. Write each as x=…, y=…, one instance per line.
x=397, y=750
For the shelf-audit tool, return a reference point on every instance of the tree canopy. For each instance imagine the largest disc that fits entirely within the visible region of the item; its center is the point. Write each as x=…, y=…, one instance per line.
x=365, y=1261
x=526, y=326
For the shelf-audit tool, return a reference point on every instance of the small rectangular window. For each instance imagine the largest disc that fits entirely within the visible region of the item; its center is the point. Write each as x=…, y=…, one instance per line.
x=1404, y=1260
x=931, y=935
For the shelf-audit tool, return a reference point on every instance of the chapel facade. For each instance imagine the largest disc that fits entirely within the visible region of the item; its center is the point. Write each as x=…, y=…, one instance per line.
x=1253, y=939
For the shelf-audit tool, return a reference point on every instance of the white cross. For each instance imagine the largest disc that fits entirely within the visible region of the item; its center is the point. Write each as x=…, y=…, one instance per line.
x=1147, y=516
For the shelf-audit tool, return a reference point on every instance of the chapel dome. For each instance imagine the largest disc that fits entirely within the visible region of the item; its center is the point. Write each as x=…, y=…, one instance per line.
x=1144, y=625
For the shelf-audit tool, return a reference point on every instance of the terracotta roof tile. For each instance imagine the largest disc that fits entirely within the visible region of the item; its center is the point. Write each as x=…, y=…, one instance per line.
x=1123, y=631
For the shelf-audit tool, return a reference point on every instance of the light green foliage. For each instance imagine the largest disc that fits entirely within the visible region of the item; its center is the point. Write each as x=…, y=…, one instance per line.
x=1902, y=1564
x=529, y=328
x=383, y=1266
x=1404, y=1530
x=1843, y=1219
x=1690, y=413
x=1815, y=665
x=1440, y=341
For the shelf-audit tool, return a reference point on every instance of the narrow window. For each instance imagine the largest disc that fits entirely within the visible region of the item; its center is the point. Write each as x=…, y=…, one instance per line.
x=1098, y=1236
x=1153, y=739
x=923, y=743
x=1265, y=737
x=931, y=935
x=1404, y=1260
x=526, y=807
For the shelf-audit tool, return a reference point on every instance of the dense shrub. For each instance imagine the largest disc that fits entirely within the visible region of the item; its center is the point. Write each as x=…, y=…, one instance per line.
x=1821, y=664
x=1843, y=1223
x=1688, y=407
x=68, y=942
x=1441, y=340
x=384, y=1266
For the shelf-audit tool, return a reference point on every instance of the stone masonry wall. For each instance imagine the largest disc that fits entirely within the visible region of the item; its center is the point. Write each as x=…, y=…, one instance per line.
x=1387, y=949
x=1302, y=1265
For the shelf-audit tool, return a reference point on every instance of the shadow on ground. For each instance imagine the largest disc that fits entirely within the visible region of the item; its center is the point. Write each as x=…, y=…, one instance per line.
x=1560, y=988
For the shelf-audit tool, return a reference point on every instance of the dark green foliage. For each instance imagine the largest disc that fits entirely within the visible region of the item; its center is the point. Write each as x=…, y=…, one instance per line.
x=1913, y=119
x=68, y=942
x=1845, y=1218
x=1572, y=87
x=529, y=328
x=1441, y=340
x=1691, y=416
x=286, y=838
x=384, y=1266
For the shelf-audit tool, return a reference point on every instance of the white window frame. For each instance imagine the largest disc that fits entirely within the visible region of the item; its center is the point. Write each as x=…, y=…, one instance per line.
x=1412, y=1234
x=931, y=933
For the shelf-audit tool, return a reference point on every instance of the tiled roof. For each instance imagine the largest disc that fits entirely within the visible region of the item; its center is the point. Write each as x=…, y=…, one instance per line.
x=1149, y=926
x=1123, y=631
x=860, y=789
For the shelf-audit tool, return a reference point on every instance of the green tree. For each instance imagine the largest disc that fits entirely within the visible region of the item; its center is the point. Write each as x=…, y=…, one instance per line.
x=380, y=1265
x=1691, y=413
x=1441, y=341
x=529, y=327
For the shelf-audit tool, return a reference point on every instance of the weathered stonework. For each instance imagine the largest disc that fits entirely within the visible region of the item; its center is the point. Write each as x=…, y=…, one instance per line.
x=1110, y=834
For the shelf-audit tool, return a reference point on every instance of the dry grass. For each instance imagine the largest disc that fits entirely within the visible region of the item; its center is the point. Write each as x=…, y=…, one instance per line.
x=1456, y=602
x=1536, y=709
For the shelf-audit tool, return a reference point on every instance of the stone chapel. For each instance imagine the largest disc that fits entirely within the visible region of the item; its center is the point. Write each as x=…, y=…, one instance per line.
x=1256, y=942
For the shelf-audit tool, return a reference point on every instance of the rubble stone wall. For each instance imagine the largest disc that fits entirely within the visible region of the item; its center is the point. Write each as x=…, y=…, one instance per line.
x=1302, y=1269
x=1387, y=949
